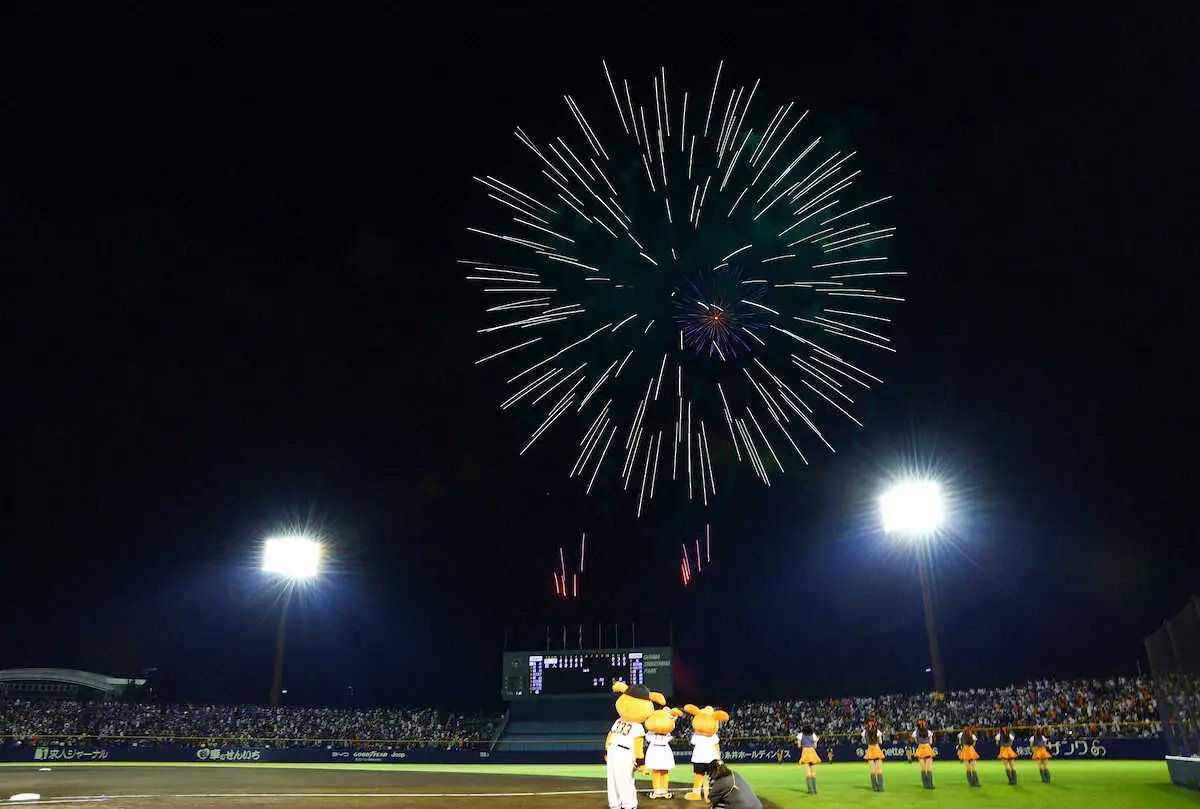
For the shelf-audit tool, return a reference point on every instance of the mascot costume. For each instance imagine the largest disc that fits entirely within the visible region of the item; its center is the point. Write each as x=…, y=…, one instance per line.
x=659, y=758
x=624, y=747
x=705, y=742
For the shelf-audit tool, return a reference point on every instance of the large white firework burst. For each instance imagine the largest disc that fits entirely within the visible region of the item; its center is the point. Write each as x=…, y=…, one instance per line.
x=687, y=285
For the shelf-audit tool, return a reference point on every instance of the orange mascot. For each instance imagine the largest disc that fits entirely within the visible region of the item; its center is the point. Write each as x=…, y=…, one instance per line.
x=624, y=748
x=705, y=742
x=659, y=758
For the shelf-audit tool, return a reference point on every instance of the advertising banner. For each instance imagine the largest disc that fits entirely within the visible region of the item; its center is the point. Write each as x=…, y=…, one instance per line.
x=1066, y=749
x=1098, y=748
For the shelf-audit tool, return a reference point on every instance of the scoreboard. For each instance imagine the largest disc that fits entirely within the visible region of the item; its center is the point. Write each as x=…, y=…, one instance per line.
x=585, y=672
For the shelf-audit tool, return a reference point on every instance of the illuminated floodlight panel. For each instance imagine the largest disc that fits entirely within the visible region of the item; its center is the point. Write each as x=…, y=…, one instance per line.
x=294, y=557
x=912, y=509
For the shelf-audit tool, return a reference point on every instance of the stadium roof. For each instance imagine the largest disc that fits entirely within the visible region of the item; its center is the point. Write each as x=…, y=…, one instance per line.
x=67, y=677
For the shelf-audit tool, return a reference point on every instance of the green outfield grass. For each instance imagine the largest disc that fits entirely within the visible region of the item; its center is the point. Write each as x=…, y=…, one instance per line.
x=1076, y=784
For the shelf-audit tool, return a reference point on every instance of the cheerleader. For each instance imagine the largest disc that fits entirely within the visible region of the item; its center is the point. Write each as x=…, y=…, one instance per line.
x=873, y=739
x=1005, y=741
x=967, y=755
x=923, y=736
x=806, y=740
x=1038, y=741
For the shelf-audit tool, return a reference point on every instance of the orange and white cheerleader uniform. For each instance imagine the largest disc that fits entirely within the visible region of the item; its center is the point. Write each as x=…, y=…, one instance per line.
x=923, y=736
x=924, y=739
x=808, y=748
x=872, y=737
x=808, y=755
x=967, y=754
x=966, y=747
x=1005, y=742
x=1041, y=755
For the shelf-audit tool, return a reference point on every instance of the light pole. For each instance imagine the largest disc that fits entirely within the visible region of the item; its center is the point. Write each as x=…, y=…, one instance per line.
x=914, y=511
x=295, y=559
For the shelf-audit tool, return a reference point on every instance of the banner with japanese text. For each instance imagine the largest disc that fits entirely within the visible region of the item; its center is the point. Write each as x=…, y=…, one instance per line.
x=51, y=754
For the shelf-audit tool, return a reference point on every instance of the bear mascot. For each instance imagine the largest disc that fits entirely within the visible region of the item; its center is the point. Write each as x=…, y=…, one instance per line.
x=706, y=744
x=659, y=758
x=625, y=746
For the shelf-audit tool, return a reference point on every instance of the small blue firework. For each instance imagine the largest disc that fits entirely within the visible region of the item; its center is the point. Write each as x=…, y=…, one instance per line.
x=717, y=311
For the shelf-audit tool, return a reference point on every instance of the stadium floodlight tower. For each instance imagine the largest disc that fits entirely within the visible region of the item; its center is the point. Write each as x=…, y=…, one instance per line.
x=914, y=511
x=295, y=559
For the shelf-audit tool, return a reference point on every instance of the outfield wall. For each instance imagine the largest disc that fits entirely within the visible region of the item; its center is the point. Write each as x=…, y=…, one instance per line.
x=1075, y=749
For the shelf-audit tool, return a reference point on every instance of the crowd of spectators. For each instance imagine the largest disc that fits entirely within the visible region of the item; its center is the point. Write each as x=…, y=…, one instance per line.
x=1180, y=696
x=51, y=722
x=1115, y=707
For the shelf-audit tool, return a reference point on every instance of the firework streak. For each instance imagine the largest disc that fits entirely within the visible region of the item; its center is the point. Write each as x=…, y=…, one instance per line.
x=688, y=283
x=686, y=571
x=567, y=586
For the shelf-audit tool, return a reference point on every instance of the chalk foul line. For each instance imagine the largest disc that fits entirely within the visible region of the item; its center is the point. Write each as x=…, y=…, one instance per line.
x=236, y=795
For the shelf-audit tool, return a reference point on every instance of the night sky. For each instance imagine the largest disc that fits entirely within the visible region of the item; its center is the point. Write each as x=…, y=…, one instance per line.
x=232, y=305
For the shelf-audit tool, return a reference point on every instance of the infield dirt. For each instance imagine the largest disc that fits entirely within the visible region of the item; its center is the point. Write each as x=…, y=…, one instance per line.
x=248, y=787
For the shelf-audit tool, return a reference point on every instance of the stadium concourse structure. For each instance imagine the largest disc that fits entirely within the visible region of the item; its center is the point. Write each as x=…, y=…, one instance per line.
x=1174, y=652
x=85, y=686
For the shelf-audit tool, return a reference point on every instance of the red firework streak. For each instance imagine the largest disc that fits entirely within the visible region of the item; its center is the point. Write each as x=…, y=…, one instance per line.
x=685, y=564
x=564, y=586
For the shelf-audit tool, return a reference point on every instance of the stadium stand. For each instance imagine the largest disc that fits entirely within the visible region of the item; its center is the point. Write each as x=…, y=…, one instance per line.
x=45, y=721
x=1112, y=707
x=557, y=724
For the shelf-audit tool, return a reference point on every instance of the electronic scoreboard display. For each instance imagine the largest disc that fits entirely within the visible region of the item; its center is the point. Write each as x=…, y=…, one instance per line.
x=586, y=672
